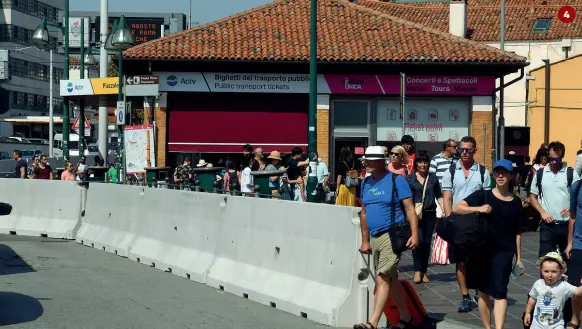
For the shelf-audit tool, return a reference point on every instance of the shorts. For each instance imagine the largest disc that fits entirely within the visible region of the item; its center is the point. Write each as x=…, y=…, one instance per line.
x=490, y=273
x=385, y=259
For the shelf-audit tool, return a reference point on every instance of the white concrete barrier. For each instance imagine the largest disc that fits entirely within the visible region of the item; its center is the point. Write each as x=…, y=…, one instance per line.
x=178, y=232
x=112, y=216
x=300, y=258
x=41, y=207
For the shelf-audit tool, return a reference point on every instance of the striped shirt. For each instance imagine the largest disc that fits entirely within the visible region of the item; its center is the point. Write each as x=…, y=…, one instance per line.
x=439, y=165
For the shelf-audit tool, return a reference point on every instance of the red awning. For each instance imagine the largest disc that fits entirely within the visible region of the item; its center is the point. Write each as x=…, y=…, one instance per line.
x=223, y=123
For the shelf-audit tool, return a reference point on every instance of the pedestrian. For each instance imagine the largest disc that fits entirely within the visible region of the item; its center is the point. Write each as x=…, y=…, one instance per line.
x=347, y=173
x=44, y=170
x=322, y=179
x=112, y=173
x=574, y=252
x=68, y=173
x=32, y=167
x=545, y=305
x=440, y=163
x=459, y=181
x=387, y=203
x=407, y=142
x=275, y=163
x=490, y=273
x=426, y=193
x=20, y=168
x=399, y=160
x=550, y=196
x=293, y=164
x=184, y=173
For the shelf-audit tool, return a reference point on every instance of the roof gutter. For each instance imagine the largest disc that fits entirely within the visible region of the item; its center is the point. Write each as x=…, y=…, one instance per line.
x=521, y=75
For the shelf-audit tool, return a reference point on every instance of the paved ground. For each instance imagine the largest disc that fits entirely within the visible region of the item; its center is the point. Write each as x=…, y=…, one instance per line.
x=441, y=296
x=54, y=284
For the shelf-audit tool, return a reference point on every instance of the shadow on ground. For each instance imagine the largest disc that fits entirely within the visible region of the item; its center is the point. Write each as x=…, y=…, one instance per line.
x=17, y=308
x=11, y=263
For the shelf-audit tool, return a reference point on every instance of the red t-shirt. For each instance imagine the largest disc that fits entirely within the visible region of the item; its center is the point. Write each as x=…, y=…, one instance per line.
x=43, y=173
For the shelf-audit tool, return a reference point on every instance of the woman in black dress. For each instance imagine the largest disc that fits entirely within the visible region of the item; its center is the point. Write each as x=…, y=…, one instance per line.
x=490, y=273
x=418, y=181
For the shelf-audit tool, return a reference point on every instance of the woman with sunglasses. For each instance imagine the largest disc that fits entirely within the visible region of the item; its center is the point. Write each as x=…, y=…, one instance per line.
x=426, y=190
x=490, y=273
x=398, y=161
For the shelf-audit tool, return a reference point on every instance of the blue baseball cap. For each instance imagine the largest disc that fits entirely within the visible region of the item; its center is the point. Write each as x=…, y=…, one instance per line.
x=503, y=163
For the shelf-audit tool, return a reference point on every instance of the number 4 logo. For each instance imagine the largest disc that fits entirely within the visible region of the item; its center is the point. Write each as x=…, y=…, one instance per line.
x=566, y=14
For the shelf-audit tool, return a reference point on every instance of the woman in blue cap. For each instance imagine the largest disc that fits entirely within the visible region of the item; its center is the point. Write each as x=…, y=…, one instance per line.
x=491, y=272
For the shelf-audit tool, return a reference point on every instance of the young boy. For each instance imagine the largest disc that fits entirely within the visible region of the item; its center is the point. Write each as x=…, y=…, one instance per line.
x=549, y=294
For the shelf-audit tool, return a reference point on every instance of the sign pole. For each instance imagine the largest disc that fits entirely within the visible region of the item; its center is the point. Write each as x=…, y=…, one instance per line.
x=82, y=99
x=66, y=122
x=312, y=134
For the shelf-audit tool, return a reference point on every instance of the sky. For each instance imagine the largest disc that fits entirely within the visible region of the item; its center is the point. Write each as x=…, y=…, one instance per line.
x=203, y=11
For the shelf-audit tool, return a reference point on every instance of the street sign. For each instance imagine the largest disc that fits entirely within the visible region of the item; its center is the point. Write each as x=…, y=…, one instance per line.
x=142, y=80
x=76, y=124
x=120, y=113
x=566, y=14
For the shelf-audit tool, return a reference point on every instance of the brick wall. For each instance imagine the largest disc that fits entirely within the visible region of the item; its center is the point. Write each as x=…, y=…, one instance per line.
x=160, y=116
x=480, y=118
x=323, y=135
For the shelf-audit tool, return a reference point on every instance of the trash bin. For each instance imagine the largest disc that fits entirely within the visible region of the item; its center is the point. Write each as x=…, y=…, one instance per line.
x=261, y=182
x=98, y=174
x=155, y=175
x=206, y=178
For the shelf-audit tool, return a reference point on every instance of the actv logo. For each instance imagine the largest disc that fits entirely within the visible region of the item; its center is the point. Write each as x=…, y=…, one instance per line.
x=70, y=87
x=172, y=80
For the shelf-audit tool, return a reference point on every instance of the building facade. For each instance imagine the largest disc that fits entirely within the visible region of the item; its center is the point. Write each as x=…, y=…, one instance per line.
x=25, y=86
x=245, y=79
x=564, y=113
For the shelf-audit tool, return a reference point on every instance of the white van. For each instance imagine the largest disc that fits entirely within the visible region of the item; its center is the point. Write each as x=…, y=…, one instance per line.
x=73, y=145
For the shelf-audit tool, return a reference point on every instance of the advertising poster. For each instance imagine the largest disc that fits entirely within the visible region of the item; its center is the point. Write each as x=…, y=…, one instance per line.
x=139, y=148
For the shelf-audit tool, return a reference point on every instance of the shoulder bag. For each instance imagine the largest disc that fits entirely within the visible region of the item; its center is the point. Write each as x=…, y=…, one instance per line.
x=400, y=233
x=352, y=177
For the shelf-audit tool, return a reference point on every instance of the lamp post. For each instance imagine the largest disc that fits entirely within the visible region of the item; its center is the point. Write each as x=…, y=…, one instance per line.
x=312, y=134
x=119, y=39
x=41, y=35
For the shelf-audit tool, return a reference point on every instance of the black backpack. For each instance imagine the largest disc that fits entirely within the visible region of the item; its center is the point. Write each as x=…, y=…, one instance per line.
x=540, y=175
x=233, y=181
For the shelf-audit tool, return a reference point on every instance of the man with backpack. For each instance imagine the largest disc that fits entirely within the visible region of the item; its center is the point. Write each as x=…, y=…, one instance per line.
x=550, y=196
x=574, y=252
x=461, y=180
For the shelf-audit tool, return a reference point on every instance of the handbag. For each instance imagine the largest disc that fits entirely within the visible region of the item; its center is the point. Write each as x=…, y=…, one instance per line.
x=399, y=233
x=418, y=207
x=466, y=232
x=352, y=178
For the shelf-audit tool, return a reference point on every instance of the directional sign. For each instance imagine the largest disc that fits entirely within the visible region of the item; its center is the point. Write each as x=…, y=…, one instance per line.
x=566, y=14
x=76, y=124
x=142, y=80
x=120, y=113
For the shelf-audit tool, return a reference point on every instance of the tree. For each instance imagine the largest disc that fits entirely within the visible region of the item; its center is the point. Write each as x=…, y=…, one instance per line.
x=112, y=70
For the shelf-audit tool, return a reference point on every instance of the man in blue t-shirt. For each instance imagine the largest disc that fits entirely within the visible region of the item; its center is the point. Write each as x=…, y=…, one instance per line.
x=376, y=219
x=574, y=251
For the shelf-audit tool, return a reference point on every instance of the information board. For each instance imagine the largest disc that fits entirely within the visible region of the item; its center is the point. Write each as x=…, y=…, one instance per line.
x=139, y=148
x=143, y=29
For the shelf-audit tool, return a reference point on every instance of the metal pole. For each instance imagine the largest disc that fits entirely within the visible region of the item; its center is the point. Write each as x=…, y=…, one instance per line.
x=103, y=63
x=51, y=114
x=312, y=133
x=120, y=128
x=190, y=16
x=501, y=132
x=82, y=100
x=66, y=123
x=547, y=103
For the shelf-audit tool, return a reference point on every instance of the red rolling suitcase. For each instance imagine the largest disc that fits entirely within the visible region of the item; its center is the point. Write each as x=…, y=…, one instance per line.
x=413, y=303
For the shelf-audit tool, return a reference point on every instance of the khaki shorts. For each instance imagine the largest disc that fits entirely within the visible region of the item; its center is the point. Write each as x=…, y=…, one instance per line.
x=385, y=259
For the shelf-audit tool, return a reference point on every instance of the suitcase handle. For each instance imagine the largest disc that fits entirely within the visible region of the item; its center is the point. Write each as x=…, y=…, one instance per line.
x=370, y=272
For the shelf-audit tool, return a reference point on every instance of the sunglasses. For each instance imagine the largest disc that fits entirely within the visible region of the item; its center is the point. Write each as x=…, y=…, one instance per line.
x=394, y=154
x=466, y=149
x=554, y=160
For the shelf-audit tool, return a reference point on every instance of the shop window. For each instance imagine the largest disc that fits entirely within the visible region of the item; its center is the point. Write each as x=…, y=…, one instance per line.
x=350, y=114
x=542, y=25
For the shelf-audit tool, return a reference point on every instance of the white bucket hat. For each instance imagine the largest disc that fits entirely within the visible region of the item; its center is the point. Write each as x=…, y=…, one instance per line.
x=374, y=153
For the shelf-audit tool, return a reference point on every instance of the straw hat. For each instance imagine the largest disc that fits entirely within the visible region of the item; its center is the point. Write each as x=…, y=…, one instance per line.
x=275, y=155
x=374, y=153
x=553, y=256
x=201, y=163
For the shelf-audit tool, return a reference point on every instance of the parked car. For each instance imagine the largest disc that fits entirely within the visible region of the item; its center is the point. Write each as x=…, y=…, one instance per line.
x=29, y=154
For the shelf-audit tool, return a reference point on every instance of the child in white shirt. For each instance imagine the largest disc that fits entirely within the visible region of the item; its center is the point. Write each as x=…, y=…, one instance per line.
x=548, y=295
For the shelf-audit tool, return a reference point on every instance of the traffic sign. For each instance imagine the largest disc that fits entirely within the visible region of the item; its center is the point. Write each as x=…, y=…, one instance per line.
x=142, y=80
x=76, y=124
x=566, y=14
x=120, y=113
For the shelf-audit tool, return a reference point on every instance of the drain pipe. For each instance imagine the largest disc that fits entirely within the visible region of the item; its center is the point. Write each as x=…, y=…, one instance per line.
x=547, y=103
x=501, y=127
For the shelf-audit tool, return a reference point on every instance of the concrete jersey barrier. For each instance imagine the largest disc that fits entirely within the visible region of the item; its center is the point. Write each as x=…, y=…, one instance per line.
x=41, y=207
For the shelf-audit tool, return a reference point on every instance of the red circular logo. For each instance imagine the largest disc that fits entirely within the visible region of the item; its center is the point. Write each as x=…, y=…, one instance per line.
x=566, y=14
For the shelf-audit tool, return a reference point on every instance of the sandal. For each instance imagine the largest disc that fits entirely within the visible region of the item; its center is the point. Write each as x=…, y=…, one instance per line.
x=364, y=326
x=573, y=326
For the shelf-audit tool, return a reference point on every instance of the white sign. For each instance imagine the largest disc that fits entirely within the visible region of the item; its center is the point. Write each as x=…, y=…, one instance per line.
x=78, y=87
x=182, y=81
x=262, y=83
x=120, y=113
x=139, y=148
x=432, y=120
x=75, y=32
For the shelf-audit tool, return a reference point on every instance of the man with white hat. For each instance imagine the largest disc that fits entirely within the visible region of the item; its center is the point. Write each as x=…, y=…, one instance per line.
x=386, y=205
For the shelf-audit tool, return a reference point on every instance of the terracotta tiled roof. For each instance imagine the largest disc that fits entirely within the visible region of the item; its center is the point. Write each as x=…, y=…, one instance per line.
x=74, y=60
x=483, y=17
x=346, y=32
